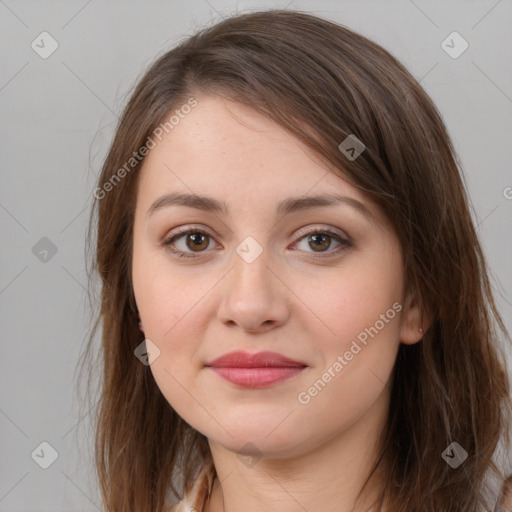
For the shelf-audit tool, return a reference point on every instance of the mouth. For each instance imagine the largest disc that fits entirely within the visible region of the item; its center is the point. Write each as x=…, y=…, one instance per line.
x=257, y=370
x=257, y=377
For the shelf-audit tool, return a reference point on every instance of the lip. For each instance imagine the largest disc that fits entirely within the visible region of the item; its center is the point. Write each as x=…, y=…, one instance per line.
x=241, y=359
x=257, y=370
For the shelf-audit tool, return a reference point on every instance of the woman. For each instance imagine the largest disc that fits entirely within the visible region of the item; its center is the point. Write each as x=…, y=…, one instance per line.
x=296, y=308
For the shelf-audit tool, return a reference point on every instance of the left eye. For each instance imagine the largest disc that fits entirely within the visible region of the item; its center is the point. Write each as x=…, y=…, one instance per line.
x=197, y=241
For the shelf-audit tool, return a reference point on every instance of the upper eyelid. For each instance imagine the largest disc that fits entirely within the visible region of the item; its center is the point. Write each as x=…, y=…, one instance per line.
x=183, y=230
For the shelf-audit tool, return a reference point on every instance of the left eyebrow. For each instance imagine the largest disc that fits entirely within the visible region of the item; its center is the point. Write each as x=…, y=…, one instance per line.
x=284, y=207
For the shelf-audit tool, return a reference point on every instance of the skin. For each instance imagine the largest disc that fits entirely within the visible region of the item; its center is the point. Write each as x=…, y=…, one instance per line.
x=290, y=300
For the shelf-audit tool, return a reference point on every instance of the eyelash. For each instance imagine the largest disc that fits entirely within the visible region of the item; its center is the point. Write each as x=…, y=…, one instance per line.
x=187, y=231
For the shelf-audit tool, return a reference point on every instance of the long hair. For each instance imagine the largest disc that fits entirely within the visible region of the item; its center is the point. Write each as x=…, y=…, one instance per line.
x=321, y=82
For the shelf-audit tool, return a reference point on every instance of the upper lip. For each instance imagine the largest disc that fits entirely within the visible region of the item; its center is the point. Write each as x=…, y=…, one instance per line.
x=240, y=359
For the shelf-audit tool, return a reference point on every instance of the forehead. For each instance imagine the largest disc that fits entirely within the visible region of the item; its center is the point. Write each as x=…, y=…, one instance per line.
x=227, y=150
x=219, y=131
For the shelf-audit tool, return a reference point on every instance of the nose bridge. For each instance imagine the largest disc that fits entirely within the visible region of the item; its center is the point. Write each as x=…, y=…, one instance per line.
x=251, y=273
x=253, y=294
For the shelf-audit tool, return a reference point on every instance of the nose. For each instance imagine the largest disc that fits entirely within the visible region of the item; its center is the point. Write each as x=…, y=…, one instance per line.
x=254, y=298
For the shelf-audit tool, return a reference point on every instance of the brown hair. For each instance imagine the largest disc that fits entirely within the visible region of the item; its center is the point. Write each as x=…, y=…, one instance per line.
x=322, y=82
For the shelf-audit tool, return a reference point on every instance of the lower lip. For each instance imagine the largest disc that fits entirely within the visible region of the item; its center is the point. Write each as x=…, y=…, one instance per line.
x=257, y=377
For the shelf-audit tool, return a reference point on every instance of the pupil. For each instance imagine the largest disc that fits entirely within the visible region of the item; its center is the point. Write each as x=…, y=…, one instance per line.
x=197, y=239
x=315, y=238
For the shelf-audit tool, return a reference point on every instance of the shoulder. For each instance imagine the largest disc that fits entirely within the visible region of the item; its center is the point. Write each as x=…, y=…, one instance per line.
x=506, y=495
x=194, y=498
x=196, y=495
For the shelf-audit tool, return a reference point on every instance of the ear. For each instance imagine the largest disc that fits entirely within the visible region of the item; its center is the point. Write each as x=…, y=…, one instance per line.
x=141, y=328
x=415, y=321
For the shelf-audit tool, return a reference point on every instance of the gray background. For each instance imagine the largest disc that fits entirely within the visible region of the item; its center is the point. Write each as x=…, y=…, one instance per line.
x=57, y=117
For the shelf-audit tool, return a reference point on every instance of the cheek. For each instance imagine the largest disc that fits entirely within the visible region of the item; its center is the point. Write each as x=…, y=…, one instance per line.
x=356, y=296
x=360, y=311
x=165, y=297
x=355, y=368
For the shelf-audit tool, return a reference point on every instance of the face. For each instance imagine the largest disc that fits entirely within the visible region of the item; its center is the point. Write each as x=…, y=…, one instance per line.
x=319, y=284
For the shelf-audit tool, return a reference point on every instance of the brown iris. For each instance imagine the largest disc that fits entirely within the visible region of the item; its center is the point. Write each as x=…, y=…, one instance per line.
x=315, y=237
x=198, y=240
